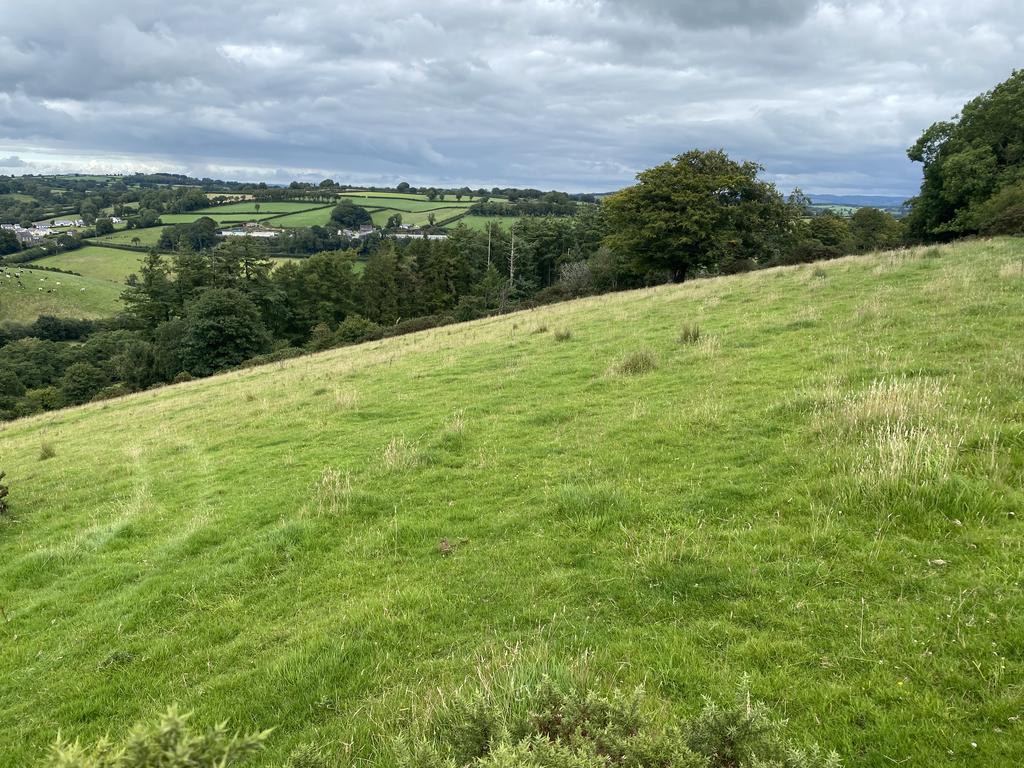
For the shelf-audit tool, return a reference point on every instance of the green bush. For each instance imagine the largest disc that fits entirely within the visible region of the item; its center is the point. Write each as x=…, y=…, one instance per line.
x=3, y=495
x=689, y=333
x=563, y=334
x=559, y=727
x=636, y=363
x=170, y=743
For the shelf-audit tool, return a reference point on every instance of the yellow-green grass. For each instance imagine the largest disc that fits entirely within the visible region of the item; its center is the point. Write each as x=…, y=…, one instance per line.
x=407, y=205
x=315, y=218
x=188, y=218
x=113, y=264
x=481, y=222
x=414, y=218
x=54, y=293
x=250, y=207
x=405, y=196
x=815, y=492
x=149, y=236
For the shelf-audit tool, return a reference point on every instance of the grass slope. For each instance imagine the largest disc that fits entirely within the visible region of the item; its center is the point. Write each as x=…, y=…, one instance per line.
x=814, y=494
x=54, y=293
x=112, y=264
x=149, y=236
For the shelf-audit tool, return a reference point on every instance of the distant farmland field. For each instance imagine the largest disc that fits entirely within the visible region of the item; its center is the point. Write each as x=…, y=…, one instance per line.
x=249, y=206
x=481, y=222
x=317, y=218
x=111, y=264
x=149, y=236
x=54, y=293
x=405, y=204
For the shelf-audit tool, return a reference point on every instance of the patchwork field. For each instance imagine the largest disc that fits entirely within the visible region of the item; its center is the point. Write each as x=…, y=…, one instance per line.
x=229, y=209
x=317, y=218
x=113, y=264
x=53, y=293
x=481, y=222
x=819, y=489
x=149, y=236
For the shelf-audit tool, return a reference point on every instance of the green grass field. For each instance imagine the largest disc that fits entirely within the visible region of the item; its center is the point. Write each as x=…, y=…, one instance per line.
x=481, y=222
x=816, y=493
x=407, y=205
x=167, y=219
x=113, y=264
x=318, y=217
x=149, y=236
x=230, y=209
x=54, y=293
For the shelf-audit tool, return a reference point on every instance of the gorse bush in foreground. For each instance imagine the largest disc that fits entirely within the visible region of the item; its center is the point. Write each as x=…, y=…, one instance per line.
x=558, y=727
x=170, y=743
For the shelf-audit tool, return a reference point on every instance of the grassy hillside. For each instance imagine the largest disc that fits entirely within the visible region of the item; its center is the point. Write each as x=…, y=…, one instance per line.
x=54, y=293
x=817, y=492
x=112, y=264
x=149, y=236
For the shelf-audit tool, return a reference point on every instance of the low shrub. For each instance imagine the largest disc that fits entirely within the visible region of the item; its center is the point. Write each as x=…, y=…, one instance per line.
x=3, y=495
x=559, y=727
x=636, y=363
x=689, y=333
x=46, y=451
x=170, y=743
x=563, y=334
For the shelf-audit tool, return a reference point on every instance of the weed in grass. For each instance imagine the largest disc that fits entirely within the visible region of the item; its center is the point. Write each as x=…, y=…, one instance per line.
x=635, y=363
x=818, y=273
x=689, y=333
x=563, y=334
x=3, y=494
x=540, y=329
x=47, y=451
x=331, y=492
x=400, y=454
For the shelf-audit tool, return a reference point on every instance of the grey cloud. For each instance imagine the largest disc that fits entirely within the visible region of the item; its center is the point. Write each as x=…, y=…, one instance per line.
x=12, y=162
x=576, y=94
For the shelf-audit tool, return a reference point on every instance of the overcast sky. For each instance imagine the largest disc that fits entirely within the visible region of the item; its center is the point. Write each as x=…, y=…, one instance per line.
x=567, y=94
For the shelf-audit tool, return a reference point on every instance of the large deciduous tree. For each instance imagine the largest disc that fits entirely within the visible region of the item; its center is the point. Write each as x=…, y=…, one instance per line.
x=696, y=211
x=967, y=161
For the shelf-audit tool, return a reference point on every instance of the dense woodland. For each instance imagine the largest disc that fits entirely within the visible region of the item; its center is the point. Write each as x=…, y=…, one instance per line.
x=208, y=305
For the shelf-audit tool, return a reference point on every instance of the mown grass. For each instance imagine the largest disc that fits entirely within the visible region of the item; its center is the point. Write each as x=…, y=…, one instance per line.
x=111, y=264
x=149, y=236
x=480, y=222
x=53, y=293
x=817, y=493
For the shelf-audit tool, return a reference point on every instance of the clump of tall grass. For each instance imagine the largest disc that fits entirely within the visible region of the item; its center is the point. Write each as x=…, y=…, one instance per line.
x=400, y=454
x=331, y=492
x=563, y=334
x=636, y=363
x=689, y=333
x=47, y=451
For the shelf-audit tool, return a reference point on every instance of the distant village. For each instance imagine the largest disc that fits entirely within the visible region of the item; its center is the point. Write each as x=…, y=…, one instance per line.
x=403, y=232
x=40, y=230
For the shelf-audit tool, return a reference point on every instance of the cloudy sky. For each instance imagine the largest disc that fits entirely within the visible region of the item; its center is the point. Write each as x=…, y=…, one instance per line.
x=567, y=94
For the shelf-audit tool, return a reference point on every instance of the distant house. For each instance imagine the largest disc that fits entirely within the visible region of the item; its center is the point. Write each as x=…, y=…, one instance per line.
x=247, y=231
x=410, y=234
x=358, y=234
x=68, y=223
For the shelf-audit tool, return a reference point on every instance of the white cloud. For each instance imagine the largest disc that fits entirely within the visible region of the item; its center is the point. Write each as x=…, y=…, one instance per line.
x=575, y=94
